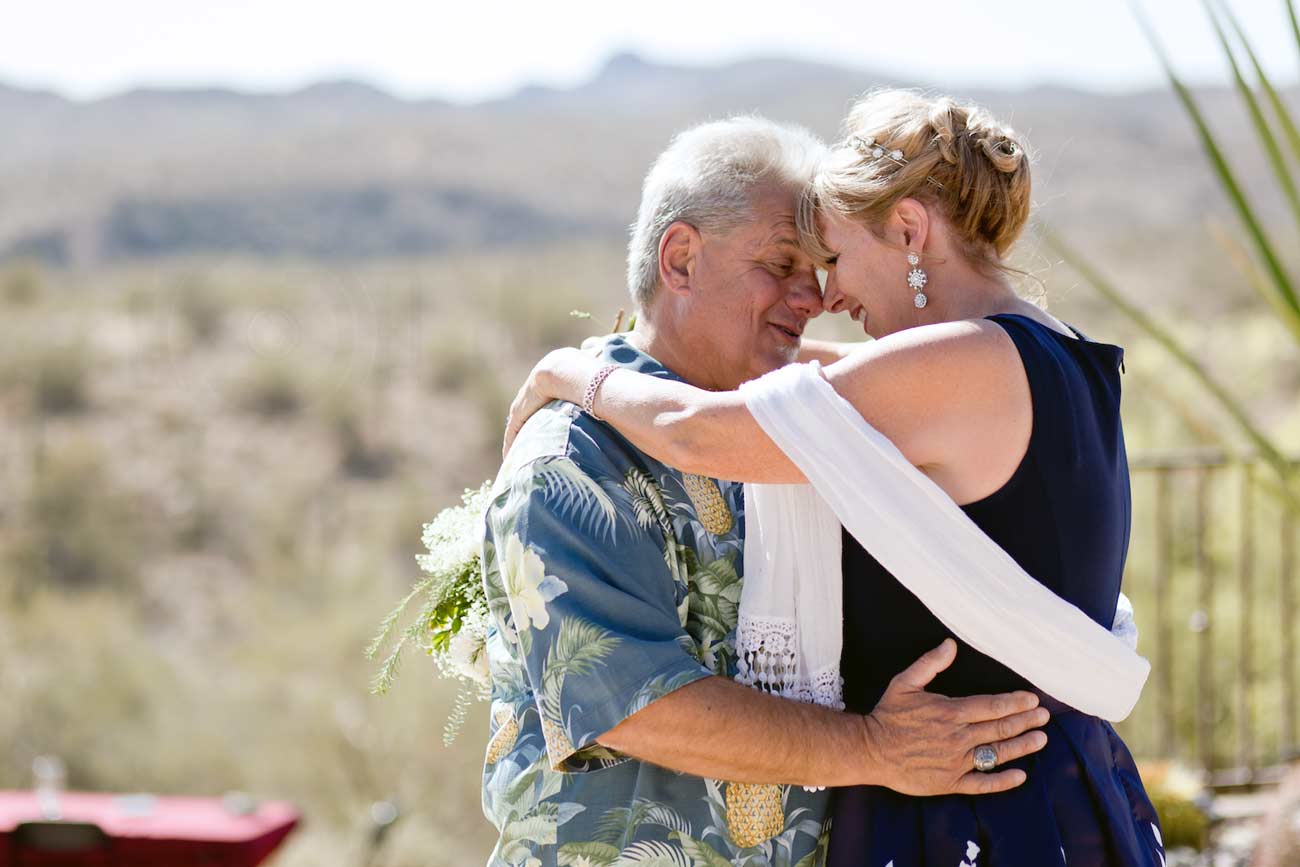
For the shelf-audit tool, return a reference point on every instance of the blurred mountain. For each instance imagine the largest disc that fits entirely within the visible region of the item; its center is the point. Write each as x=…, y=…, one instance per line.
x=17, y=99
x=343, y=169
x=629, y=87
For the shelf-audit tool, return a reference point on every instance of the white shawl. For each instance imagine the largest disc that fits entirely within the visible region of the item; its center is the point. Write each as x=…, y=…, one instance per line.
x=789, y=632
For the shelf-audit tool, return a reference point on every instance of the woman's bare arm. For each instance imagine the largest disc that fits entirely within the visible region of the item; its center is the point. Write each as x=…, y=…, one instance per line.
x=826, y=351
x=952, y=397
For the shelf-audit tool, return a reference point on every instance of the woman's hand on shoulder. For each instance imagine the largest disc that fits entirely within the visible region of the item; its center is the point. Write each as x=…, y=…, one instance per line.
x=562, y=374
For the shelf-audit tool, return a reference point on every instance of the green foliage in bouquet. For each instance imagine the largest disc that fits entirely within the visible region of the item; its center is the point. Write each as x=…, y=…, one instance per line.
x=452, y=621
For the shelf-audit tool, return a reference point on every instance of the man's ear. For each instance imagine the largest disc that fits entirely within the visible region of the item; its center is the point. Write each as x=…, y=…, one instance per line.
x=678, y=248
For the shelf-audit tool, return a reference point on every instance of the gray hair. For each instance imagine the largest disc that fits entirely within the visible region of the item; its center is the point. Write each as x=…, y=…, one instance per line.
x=706, y=178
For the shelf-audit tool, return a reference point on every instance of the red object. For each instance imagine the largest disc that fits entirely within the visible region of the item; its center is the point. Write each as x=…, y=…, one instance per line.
x=147, y=831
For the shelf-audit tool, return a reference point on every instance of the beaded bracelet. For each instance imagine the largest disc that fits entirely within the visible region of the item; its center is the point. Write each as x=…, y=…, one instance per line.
x=589, y=398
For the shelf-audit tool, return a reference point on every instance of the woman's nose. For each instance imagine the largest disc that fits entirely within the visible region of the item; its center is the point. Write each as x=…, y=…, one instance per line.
x=833, y=300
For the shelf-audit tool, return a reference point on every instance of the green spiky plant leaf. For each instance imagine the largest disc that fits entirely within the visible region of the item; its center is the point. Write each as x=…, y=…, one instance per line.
x=1267, y=139
x=1279, y=280
x=1280, y=110
x=1295, y=24
x=1268, y=450
x=1263, y=270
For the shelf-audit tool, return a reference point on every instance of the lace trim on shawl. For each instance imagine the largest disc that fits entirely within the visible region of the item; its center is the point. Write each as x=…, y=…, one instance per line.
x=767, y=659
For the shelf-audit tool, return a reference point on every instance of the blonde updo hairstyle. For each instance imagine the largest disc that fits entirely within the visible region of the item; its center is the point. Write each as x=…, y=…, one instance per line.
x=956, y=158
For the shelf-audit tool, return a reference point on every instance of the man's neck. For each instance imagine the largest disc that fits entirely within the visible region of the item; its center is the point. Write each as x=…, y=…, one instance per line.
x=666, y=345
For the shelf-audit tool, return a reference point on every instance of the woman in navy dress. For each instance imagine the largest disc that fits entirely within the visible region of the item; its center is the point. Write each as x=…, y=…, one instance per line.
x=1064, y=517
x=1012, y=413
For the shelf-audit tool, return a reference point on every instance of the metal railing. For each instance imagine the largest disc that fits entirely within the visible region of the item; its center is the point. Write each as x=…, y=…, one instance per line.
x=1211, y=573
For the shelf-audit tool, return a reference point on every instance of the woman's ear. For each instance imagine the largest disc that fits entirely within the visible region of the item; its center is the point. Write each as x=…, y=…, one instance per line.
x=678, y=248
x=913, y=222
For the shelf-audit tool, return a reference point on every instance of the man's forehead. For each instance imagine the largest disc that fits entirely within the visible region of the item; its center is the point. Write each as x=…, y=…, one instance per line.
x=776, y=229
x=774, y=207
x=778, y=233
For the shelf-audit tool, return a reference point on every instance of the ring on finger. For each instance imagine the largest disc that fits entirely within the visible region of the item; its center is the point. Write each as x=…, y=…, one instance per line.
x=986, y=758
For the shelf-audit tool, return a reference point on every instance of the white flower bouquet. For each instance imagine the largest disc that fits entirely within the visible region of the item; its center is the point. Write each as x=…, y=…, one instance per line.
x=451, y=624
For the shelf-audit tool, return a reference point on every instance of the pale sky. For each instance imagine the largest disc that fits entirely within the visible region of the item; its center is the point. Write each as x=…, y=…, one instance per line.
x=476, y=49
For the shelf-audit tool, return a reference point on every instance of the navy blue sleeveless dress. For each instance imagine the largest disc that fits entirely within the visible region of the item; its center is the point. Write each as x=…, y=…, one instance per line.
x=1064, y=516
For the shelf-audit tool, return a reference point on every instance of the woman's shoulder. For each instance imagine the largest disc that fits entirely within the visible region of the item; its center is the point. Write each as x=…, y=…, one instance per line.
x=935, y=389
x=1042, y=338
x=966, y=359
x=966, y=347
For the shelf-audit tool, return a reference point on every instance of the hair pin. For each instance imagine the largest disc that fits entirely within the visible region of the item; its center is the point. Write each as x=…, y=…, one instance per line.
x=868, y=148
x=872, y=150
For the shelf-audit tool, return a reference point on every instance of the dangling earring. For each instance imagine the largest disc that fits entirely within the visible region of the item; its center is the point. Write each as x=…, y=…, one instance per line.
x=916, y=279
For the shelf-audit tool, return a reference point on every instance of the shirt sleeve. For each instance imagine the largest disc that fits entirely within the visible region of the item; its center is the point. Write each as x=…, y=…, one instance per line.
x=595, y=609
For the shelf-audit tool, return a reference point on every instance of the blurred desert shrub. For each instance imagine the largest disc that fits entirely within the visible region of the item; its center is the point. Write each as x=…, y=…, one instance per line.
x=523, y=303
x=201, y=306
x=458, y=364
x=21, y=284
x=89, y=690
x=454, y=361
x=54, y=375
x=80, y=528
x=200, y=522
x=272, y=387
x=544, y=321
x=364, y=452
x=1183, y=825
x=1178, y=795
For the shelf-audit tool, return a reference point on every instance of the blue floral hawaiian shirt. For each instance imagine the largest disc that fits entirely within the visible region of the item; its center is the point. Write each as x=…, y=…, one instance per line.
x=614, y=580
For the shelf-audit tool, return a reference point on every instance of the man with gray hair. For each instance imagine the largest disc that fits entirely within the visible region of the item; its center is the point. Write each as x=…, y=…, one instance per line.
x=618, y=733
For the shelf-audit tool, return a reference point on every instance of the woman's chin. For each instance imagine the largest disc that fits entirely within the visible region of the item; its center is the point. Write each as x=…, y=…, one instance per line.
x=867, y=326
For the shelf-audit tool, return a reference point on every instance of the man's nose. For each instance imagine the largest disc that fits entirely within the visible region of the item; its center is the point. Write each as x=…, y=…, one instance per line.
x=805, y=298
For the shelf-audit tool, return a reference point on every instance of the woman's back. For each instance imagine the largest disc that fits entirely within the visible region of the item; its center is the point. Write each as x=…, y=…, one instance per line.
x=1063, y=516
